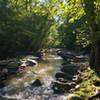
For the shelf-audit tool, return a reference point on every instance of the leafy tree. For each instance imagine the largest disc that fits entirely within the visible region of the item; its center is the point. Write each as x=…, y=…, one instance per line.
x=21, y=29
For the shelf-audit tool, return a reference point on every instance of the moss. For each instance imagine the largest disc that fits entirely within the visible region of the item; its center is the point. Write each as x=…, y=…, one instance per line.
x=86, y=89
x=19, y=75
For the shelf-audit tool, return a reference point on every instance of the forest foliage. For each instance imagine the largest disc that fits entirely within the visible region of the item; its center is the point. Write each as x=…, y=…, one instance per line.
x=29, y=25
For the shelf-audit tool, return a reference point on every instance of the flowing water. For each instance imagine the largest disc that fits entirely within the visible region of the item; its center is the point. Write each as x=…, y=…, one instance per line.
x=20, y=88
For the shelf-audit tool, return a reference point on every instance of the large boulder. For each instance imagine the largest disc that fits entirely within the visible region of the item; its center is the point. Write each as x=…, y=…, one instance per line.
x=70, y=68
x=63, y=75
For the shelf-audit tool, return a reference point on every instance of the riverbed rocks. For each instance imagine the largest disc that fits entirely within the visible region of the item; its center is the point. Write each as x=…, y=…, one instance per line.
x=62, y=84
x=65, y=78
x=80, y=58
x=8, y=67
x=66, y=55
x=13, y=66
x=29, y=61
x=71, y=56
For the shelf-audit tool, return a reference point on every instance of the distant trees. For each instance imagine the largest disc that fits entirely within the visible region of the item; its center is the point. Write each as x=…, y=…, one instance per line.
x=74, y=31
x=22, y=29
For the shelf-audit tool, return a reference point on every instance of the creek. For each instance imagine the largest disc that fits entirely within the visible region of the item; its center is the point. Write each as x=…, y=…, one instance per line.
x=20, y=87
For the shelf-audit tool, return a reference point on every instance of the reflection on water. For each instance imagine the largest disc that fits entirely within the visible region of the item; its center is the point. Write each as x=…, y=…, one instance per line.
x=20, y=88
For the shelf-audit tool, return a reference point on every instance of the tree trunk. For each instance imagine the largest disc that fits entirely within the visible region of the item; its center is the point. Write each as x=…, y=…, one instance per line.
x=97, y=56
x=92, y=57
x=95, y=33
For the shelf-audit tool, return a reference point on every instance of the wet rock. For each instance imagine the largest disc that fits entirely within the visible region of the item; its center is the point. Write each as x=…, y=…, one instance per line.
x=21, y=69
x=30, y=62
x=2, y=85
x=23, y=64
x=70, y=68
x=13, y=70
x=62, y=80
x=80, y=58
x=66, y=55
x=2, y=98
x=13, y=66
x=64, y=75
x=60, y=88
x=31, y=57
x=5, y=70
x=37, y=83
x=40, y=55
x=3, y=76
x=13, y=63
x=3, y=63
x=79, y=80
x=77, y=87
